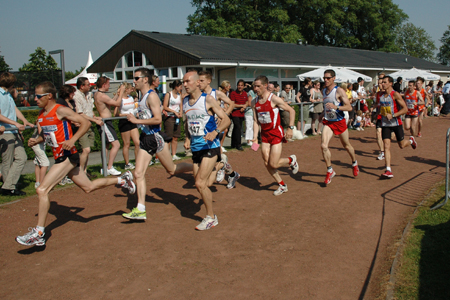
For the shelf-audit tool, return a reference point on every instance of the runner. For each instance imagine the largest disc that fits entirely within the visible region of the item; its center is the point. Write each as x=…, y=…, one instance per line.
x=392, y=107
x=266, y=112
x=54, y=125
x=152, y=140
x=422, y=107
x=378, y=123
x=335, y=102
x=413, y=100
x=103, y=104
x=202, y=137
x=223, y=166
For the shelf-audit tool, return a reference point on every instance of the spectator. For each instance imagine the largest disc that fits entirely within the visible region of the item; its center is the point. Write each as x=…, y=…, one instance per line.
x=317, y=107
x=288, y=96
x=41, y=162
x=11, y=143
x=249, y=116
x=225, y=87
x=304, y=95
x=240, y=99
x=173, y=106
x=398, y=85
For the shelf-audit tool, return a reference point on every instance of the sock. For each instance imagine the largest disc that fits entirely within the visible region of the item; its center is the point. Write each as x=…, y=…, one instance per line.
x=329, y=169
x=388, y=169
x=141, y=207
x=281, y=182
x=232, y=174
x=382, y=152
x=120, y=181
x=290, y=160
x=40, y=229
x=355, y=163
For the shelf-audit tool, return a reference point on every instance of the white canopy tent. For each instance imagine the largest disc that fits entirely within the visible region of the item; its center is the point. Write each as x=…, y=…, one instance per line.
x=413, y=73
x=342, y=75
x=91, y=76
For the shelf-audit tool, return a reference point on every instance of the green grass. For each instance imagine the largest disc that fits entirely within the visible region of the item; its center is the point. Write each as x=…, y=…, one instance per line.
x=424, y=266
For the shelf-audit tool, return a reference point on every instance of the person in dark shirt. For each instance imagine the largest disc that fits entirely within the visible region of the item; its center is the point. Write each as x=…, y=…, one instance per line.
x=398, y=85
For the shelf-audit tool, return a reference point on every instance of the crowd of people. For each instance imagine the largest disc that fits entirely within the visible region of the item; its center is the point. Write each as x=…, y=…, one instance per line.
x=207, y=115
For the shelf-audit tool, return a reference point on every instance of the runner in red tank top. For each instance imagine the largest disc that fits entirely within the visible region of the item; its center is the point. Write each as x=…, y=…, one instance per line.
x=56, y=132
x=266, y=114
x=413, y=100
x=378, y=123
x=422, y=108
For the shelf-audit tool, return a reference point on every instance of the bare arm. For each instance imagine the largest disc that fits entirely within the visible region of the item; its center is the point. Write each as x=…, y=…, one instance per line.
x=297, y=97
x=401, y=103
x=21, y=117
x=154, y=104
x=255, y=124
x=39, y=139
x=212, y=104
x=342, y=96
x=419, y=97
x=116, y=101
x=283, y=105
x=221, y=96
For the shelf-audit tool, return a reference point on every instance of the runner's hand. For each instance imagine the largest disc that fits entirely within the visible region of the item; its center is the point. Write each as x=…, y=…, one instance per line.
x=98, y=122
x=187, y=144
x=26, y=123
x=131, y=118
x=288, y=134
x=67, y=145
x=210, y=136
x=31, y=142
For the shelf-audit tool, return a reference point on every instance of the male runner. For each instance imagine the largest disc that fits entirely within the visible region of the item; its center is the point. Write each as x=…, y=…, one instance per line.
x=413, y=100
x=392, y=107
x=202, y=131
x=223, y=166
x=152, y=140
x=103, y=103
x=378, y=123
x=266, y=112
x=54, y=120
x=422, y=107
x=335, y=102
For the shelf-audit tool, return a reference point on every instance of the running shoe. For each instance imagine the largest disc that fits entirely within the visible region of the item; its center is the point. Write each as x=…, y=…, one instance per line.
x=136, y=214
x=220, y=175
x=355, y=170
x=33, y=237
x=232, y=180
x=329, y=176
x=128, y=182
x=358, y=128
x=294, y=164
x=129, y=166
x=413, y=142
x=362, y=128
x=208, y=223
x=68, y=180
x=157, y=161
x=175, y=157
x=419, y=134
x=223, y=149
x=188, y=152
x=63, y=181
x=151, y=163
x=381, y=156
x=36, y=185
x=387, y=174
x=113, y=172
x=281, y=189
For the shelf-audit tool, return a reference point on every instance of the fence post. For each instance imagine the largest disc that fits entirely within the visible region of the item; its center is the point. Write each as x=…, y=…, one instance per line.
x=104, y=163
x=301, y=117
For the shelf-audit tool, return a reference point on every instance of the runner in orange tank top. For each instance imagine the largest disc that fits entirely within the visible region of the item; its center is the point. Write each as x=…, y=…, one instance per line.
x=54, y=120
x=413, y=101
x=422, y=108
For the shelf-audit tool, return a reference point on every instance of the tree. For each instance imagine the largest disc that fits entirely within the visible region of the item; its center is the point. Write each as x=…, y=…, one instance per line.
x=69, y=74
x=362, y=24
x=4, y=67
x=444, y=51
x=415, y=41
x=39, y=61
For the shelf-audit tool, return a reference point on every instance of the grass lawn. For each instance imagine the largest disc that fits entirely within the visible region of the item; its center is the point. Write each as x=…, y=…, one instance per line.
x=424, y=267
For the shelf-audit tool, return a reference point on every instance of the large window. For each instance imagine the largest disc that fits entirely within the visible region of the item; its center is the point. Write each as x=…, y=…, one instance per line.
x=128, y=63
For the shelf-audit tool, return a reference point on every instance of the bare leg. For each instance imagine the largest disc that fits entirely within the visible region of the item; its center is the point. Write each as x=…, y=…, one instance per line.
x=379, y=140
x=113, y=153
x=43, y=172
x=346, y=143
x=202, y=173
x=142, y=160
x=387, y=152
x=84, y=157
x=126, y=136
x=327, y=134
x=414, y=124
x=37, y=173
x=135, y=138
x=174, y=145
x=271, y=156
x=169, y=165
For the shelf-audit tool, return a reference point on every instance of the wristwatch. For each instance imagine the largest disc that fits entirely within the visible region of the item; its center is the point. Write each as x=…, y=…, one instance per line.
x=291, y=127
x=217, y=130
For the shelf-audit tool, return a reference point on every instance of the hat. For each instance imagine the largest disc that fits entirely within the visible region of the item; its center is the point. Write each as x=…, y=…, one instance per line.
x=360, y=79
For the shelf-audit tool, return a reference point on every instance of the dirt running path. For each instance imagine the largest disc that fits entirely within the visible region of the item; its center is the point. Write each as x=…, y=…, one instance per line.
x=313, y=242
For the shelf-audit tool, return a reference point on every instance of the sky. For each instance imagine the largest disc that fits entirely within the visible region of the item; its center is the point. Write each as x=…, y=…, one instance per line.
x=82, y=26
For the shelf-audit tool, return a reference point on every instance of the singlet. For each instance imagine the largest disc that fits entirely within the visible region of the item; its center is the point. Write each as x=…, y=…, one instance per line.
x=268, y=116
x=127, y=106
x=378, y=96
x=332, y=115
x=411, y=103
x=55, y=132
x=145, y=113
x=200, y=122
x=422, y=106
x=389, y=106
x=174, y=104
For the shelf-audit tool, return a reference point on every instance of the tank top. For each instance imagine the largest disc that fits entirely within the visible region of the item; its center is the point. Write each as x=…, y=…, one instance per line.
x=127, y=106
x=389, y=106
x=422, y=106
x=268, y=116
x=145, y=113
x=200, y=122
x=55, y=132
x=332, y=115
x=411, y=103
x=174, y=104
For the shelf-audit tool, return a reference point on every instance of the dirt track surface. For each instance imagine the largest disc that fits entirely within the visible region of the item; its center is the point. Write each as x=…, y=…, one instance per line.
x=313, y=242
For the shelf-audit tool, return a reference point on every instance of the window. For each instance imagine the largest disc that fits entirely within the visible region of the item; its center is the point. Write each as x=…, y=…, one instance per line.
x=128, y=59
x=119, y=75
x=119, y=64
x=137, y=59
x=129, y=75
x=163, y=72
x=174, y=72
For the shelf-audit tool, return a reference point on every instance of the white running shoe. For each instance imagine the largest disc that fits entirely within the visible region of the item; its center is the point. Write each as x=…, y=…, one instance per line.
x=294, y=165
x=220, y=175
x=151, y=163
x=36, y=185
x=208, y=223
x=175, y=157
x=381, y=156
x=113, y=172
x=156, y=161
x=129, y=166
x=33, y=237
x=281, y=189
x=224, y=150
x=68, y=180
x=128, y=182
x=232, y=180
x=358, y=128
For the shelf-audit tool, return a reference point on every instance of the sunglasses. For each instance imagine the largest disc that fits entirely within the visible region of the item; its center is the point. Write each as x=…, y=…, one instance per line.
x=39, y=96
x=327, y=78
x=137, y=77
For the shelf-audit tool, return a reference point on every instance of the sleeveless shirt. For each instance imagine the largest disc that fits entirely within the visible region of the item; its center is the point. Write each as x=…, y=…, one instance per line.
x=332, y=115
x=268, y=116
x=411, y=103
x=145, y=113
x=389, y=106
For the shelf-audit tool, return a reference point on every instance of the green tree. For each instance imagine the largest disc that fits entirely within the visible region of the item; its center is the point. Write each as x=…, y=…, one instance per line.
x=4, y=67
x=39, y=61
x=69, y=74
x=362, y=24
x=443, y=55
x=415, y=41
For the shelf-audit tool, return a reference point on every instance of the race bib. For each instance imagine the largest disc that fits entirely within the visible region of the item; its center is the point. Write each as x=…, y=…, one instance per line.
x=49, y=135
x=331, y=115
x=264, y=117
x=143, y=114
x=196, y=128
x=410, y=105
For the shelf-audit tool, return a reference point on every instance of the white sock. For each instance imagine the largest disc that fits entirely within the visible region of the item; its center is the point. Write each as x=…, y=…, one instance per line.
x=388, y=169
x=355, y=163
x=40, y=229
x=141, y=207
x=120, y=181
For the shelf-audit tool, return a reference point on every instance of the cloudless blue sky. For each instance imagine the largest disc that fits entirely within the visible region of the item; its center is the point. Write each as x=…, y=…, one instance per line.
x=81, y=26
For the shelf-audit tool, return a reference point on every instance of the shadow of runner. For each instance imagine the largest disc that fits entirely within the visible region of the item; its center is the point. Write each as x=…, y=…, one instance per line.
x=184, y=203
x=434, y=267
